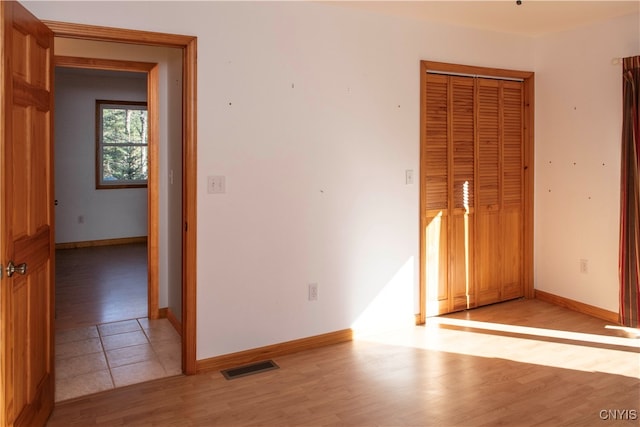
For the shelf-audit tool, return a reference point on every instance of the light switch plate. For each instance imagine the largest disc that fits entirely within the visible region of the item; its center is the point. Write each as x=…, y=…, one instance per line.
x=216, y=184
x=408, y=175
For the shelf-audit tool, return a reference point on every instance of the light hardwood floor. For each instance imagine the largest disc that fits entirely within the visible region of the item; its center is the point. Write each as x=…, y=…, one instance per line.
x=519, y=363
x=100, y=285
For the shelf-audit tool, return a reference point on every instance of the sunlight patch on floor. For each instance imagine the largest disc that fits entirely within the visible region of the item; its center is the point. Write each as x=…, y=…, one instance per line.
x=554, y=348
x=630, y=332
x=537, y=332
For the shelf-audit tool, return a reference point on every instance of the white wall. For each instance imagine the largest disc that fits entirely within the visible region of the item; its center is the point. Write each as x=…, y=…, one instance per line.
x=312, y=113
x=83, y=212
x=169, y=62
x=578, y=134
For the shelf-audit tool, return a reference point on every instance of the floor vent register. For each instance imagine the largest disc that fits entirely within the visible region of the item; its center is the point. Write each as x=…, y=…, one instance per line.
x=253, y=368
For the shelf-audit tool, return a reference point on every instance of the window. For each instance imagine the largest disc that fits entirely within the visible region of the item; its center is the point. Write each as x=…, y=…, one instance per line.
x=121, y=144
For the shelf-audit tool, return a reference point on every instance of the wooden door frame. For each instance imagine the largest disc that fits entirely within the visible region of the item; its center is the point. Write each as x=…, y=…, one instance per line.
x=528, y=165
x=188, y=44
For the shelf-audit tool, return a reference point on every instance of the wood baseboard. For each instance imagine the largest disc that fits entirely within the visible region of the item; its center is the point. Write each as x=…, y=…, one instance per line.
x=177, y=325
x=580, y=307
x=104, y=242
x=271, y=351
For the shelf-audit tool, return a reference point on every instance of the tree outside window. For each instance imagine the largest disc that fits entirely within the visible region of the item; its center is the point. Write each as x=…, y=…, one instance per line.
x=122, y=144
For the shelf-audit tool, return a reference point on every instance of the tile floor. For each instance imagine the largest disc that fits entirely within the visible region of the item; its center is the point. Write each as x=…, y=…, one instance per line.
x=97, y=358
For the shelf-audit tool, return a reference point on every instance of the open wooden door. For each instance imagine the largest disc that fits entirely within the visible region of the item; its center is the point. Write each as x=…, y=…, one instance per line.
x=26, y=219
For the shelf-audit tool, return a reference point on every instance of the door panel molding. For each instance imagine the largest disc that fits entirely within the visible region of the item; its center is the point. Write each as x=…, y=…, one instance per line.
x=188, y=44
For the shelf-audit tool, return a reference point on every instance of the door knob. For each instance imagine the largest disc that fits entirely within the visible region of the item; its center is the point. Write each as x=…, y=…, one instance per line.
x=20, y=268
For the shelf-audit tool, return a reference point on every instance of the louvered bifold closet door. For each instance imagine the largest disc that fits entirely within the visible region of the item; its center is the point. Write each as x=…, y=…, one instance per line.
x=512, y=190
x=499, y=191
x=449, y=192
x=461, y=190
x=472, y=171
x=489, y=235
x=435, y=173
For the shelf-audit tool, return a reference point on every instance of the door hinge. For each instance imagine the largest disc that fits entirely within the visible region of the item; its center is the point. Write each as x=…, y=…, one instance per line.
x=186, y=227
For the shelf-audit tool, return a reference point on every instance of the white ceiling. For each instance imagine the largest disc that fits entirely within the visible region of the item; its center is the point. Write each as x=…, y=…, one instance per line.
x=532, y=17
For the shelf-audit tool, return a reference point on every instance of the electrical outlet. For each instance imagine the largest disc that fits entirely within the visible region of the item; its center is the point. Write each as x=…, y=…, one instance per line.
x=313, y=291
x=584, y=266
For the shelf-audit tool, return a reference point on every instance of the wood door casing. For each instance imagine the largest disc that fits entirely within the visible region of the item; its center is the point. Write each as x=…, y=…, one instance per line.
x=27, y=300
x=476, y=187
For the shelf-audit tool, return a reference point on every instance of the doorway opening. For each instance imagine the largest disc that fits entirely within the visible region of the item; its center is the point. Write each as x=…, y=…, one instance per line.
x=187, y=208
x=107, y=278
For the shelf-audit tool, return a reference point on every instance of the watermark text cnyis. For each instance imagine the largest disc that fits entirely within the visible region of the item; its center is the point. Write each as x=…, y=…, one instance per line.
x=618, y=414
